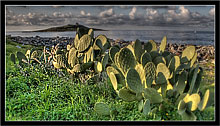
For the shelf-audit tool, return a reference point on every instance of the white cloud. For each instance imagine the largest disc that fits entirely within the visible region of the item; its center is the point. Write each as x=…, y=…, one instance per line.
x=83, y=13
x=132, y=13
x=152, y=14
x=106, y=13
x=212, y=12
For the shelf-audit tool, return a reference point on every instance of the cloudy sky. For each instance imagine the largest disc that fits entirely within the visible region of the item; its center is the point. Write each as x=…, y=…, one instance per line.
x=111, y=17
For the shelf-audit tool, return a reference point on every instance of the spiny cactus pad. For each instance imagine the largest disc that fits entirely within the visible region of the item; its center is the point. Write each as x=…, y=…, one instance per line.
x=138, y=49
x=146, y=108
x=101, y=38
x=133, y=81
x=76, y=41
x=126, y=95
x=126, y=60
x=188, y=53
x=98, y=66
x=101, y=108
x=174, y=63
x=154, y=54
x=145, y=58
x=150, y=46
x=112, y=51
x=194, y=98
x=162, y=73
x=159, y=59
x=113, y=80
x=140, y=69
x=152, y=95
x=72, y=57
x=91, y=33
x=163, y=44
x=84, y=43
x=193, y=59
x=150, y=72
x=104, y=61
x=181, y=83
x=203, y=103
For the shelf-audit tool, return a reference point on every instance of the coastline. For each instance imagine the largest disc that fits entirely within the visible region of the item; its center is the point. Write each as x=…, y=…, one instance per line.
x=205, y=52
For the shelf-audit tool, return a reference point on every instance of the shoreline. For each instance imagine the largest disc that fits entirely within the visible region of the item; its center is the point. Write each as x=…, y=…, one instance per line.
x=205, y=52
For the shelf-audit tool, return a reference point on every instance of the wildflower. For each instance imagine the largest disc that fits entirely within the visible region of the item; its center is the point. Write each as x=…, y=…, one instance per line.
x=167, y=114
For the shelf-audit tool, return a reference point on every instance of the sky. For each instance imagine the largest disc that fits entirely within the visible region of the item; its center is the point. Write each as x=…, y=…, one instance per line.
x=114, y=17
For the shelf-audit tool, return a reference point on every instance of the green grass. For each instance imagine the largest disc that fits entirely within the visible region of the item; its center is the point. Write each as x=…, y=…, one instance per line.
x=36, y=95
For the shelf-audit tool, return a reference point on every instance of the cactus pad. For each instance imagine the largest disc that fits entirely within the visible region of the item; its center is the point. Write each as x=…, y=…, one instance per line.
x=134, y=81
x=72, y=57
x=101, y=38
x=150, y=46
x=188, y=53
x=138, y=50
x=193, y=59
x=152, y=95
x=163, y=44
x=91, y=33
x=203, y=103
x=112, y=51
x=145, y=58
x=194, y=98
x=150, y=72
x=98, y=66
x=154, y=54
x=181, y=83
x=174, y=63
x=126, y=60
x=101, y=108
x=162, y=73
x=76, y=41
x=13, y=58
x=21, y=56
x=104, y=61
x=146, y=108
x=159, y=59
x=126, y=95
x=181, y=107
x=113, y=80
x=84, y=43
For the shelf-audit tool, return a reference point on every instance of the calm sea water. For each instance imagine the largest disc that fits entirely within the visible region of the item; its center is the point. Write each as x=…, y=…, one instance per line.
x=173, y=36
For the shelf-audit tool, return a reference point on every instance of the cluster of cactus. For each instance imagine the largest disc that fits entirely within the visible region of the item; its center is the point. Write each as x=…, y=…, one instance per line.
x=86, y=56
x=30, y=57
x=149, y=75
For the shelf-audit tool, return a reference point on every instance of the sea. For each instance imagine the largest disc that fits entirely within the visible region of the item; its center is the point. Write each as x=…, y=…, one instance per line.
x=173, y=36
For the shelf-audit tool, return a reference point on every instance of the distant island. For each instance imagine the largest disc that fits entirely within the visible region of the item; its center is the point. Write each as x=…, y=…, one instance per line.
x=64, y=28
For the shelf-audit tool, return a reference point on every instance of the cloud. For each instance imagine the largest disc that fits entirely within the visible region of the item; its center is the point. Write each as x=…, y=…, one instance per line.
x=83, y=13
x=132, y=13
x=212, y=12
x=106, y=13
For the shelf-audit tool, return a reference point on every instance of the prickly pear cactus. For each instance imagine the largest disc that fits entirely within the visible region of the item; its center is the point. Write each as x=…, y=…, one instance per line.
x=72, y=59
x=152, y=95
x=113, y=80
x=203, y=103
x=150, y=46
x=138, y=50
x=101, y=108
x=126, y=95
x=150, y=73
x=126, y=60
x=159, y=59
x=162, y=73
x=102, y=38
x=21, y=57
x=188, y=54
x=194, y=98
x=91, y=33
x=163, y=44
x=76, y=41
x=133, y=81
x=84, y=43
x=112, y=51
x=145, y=58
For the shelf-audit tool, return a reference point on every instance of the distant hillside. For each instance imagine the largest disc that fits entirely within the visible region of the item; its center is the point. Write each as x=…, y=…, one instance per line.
x=64, y=28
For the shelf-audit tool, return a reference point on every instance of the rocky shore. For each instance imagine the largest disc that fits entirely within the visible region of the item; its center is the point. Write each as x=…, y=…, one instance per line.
x=205, y=53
